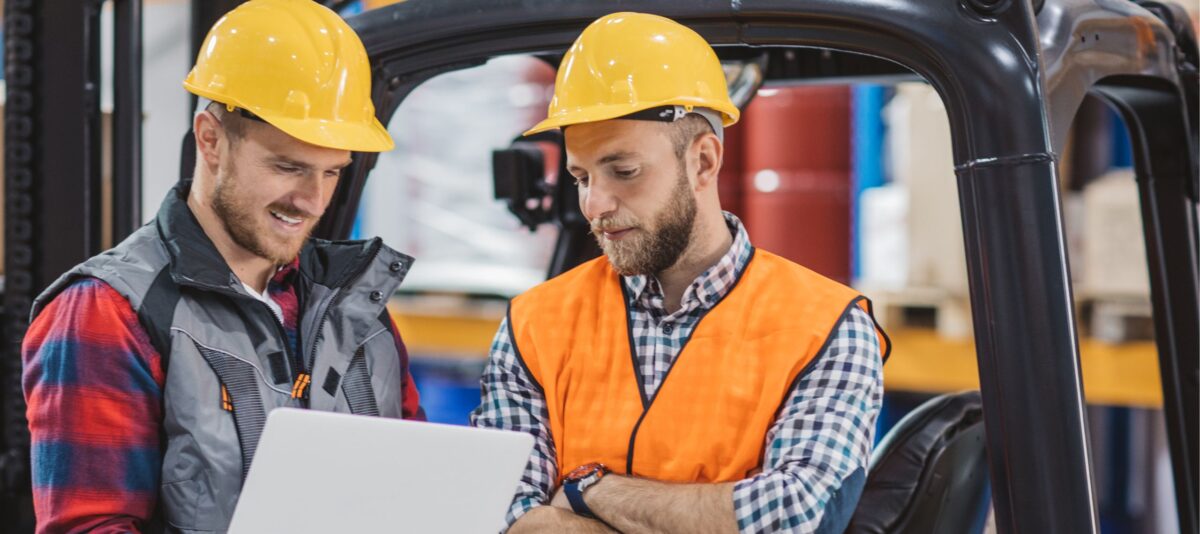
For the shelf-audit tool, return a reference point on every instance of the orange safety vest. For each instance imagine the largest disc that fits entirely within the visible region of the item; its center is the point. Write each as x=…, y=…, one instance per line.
x=710, y=416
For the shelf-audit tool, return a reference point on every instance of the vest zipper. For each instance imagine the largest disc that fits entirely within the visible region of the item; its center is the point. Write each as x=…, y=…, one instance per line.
x=318, y=334
x=319, y=330
x=279, y=328
x=275, y=320
x=287, y=347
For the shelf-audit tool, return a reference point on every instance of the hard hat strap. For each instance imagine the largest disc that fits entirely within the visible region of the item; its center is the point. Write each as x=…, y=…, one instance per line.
x=247, y=114
x=677, y=113
x=203, y=103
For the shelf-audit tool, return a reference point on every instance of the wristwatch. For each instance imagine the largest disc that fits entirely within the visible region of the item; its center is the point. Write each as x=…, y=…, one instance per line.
x=579, y=480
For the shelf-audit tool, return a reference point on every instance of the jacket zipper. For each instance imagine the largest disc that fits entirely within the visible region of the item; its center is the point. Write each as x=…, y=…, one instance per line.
x=279, y=328
x=319, y=330
x=319, y=333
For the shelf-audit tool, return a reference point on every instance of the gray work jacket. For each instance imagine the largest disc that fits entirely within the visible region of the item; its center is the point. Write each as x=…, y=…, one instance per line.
x=211, y=333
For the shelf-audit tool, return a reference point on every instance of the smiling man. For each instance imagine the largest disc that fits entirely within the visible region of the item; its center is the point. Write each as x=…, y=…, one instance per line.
x=685, y=381
x=150, y=368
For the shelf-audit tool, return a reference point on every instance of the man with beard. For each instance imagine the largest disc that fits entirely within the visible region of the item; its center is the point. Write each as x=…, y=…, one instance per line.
x=150, y=368
x=685, y=381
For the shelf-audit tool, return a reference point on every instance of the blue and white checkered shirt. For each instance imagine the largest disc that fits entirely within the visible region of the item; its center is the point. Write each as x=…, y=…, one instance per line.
x=823, y=433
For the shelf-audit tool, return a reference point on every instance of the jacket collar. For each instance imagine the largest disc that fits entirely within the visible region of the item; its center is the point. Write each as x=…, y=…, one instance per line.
x=195, y=260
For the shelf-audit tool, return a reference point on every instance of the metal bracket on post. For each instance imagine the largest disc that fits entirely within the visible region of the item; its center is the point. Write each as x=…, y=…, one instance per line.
x=1187, y=65
x=1187, y=54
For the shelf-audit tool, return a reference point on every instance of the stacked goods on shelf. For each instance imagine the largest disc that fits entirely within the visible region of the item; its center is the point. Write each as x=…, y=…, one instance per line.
x=1114, y=280
x=868, y=179
x=883, y=238
x=930, y=288
x=924, y=163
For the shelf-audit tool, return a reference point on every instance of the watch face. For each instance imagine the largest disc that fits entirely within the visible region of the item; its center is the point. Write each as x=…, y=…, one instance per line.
x=585, y=471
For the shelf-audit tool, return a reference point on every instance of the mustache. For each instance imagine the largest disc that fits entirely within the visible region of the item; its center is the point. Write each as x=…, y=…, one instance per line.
x=292, y=211
x=609, y=224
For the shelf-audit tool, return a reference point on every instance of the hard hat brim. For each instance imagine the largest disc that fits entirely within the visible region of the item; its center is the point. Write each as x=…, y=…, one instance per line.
x=338, y=135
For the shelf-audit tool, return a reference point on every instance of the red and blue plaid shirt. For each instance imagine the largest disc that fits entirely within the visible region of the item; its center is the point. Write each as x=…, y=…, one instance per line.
x=93, y=384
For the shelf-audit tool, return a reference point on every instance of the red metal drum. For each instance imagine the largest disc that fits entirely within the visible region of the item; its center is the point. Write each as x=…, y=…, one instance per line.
x=796, y=175
x=729, y=182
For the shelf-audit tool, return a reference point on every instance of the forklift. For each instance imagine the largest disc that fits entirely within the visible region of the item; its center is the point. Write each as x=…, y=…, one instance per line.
x=1012, y=75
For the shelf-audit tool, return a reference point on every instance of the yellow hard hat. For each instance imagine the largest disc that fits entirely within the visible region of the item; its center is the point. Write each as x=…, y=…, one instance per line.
x=298, y=66
x=628, y=62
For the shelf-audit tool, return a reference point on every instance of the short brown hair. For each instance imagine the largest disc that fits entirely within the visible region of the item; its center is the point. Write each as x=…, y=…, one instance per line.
x=685, y=131
x=232, y=122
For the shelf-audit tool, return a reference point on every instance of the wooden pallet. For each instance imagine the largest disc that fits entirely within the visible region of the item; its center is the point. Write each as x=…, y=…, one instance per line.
x=1118, y=320
x=936, y=309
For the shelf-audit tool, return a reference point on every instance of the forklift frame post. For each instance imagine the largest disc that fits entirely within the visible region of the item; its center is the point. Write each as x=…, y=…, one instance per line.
x=127, y=119
x=1169, y=225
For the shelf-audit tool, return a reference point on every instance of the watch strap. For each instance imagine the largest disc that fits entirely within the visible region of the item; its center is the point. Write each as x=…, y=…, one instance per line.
x=575, y=497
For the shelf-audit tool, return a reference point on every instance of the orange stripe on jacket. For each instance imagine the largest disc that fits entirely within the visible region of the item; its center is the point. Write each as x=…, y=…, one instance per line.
x=709, y=419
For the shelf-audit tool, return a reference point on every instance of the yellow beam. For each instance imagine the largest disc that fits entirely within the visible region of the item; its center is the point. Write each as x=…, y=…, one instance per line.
x=1124, y=374
x=921, y=361
x=443, y=331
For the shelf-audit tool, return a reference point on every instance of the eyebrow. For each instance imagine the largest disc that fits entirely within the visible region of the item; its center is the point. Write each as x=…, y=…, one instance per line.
x=302, y=165
x=614, y=157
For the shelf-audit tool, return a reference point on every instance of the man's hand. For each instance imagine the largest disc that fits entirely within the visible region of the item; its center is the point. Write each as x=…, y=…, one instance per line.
x=640, y=505
x=553, y=519
x=560, y=500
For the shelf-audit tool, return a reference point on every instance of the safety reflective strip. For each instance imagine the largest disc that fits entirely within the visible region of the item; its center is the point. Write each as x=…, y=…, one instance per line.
x=300, y=386
x=241, y=380
x=356, y=385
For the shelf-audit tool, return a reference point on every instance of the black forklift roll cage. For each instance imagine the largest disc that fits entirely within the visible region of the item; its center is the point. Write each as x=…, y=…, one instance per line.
x=1012, y=74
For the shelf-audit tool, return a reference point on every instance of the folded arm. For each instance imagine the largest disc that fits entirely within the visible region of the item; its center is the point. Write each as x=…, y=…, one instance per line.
x=815, y=454
x=815, y=458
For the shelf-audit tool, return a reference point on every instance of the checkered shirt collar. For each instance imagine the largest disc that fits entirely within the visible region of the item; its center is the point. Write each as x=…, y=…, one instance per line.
x=708, y=288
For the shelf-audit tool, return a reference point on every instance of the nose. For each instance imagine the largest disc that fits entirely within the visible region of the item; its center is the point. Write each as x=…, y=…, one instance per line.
x=311, y=193
x=597, y=200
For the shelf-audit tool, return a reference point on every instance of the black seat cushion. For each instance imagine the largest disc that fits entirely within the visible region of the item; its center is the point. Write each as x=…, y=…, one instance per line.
x=929, y=474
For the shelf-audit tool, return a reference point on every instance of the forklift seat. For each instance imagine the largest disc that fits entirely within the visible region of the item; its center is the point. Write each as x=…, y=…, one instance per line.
x=929, y=473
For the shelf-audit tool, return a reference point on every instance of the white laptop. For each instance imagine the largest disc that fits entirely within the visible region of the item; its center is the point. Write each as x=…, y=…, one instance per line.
x=327, y=473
